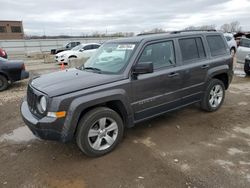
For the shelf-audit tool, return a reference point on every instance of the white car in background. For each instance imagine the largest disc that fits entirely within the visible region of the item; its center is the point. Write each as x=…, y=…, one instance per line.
x=243, y=50
x=231, y=43
x=80, y=51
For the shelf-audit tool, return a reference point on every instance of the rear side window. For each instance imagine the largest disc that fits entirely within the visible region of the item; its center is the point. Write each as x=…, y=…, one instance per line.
x=216, y=45
x=160, y=54
x=192, y=48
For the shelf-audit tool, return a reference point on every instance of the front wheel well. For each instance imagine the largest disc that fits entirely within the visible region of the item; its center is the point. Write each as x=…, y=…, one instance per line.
x=2, y=74
x=224, y=78
x=73, y=56
x=115, y=105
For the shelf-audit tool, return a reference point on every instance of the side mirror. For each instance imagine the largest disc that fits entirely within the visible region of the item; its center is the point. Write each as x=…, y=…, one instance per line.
x=67, y=46
x=143, y=68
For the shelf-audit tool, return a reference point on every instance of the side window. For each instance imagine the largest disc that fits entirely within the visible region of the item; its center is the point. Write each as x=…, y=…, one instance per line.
x=95, y=46
x=192, y=48
x=77, y=43
x=88, y=47
x=160, y=54
x=216, y=45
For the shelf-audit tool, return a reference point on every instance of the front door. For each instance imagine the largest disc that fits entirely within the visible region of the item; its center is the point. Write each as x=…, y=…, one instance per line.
x=157, y=92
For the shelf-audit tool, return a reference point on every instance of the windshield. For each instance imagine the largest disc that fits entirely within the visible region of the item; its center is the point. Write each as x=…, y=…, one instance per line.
x=245, y=43
x=80, y=46
x=110, y=58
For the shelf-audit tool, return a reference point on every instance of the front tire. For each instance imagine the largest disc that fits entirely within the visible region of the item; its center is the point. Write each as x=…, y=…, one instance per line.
x=3, y=83
x=99, y=131
x=214, y=96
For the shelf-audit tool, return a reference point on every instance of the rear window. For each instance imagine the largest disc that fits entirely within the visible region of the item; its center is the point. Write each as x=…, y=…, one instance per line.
x=216, y=45
x=245, y=43
x=191, y=49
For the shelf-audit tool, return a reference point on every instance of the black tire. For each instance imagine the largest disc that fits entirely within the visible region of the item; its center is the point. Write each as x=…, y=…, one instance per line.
x=88, y=121
x=247, y=68
x=3, y=83
x=205, y=104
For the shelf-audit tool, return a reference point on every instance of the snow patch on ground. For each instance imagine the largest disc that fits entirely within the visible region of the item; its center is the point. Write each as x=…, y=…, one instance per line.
x=243, y=103
x=234, y=151
x=242, y=130
x=240, y=73
x=19, y=135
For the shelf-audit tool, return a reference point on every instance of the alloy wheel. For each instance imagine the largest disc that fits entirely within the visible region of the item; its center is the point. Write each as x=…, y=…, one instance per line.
x=216, y=96
x=103, y=133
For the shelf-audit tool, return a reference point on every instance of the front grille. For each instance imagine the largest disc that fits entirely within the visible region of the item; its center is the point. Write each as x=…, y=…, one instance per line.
x=32, y=99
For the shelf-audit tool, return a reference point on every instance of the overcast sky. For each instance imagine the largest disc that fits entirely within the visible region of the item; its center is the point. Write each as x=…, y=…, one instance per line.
x=75, y=17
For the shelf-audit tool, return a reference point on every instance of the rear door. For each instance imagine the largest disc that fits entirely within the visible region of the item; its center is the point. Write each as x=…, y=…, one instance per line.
x=195, y=64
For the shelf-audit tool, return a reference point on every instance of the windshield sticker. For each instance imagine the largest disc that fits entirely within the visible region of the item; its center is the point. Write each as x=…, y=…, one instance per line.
x=125, y=47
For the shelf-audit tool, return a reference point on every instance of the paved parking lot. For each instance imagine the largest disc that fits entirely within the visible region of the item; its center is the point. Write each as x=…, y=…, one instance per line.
x=186, y=148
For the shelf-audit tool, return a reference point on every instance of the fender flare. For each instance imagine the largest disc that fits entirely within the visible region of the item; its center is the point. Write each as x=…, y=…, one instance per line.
x=82, y=103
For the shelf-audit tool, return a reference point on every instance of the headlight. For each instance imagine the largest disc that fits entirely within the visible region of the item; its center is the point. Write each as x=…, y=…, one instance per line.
x=62, y=56
x=42, y=106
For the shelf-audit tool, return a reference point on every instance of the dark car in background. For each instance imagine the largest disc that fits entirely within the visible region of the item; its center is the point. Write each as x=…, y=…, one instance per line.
x=11, y=71
x=68, y=46
x=3, y=53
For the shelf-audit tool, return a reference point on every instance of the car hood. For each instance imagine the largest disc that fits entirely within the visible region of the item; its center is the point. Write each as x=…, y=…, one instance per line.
x=64, y=53
x=67, y=81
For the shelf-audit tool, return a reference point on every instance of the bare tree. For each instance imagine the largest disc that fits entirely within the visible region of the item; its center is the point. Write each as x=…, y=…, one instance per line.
x=231, y=27
x=226, y=28
x=235, y=26
x=203, y=27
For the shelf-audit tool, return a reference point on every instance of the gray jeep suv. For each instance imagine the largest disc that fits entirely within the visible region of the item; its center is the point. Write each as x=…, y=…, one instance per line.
x=127, y=81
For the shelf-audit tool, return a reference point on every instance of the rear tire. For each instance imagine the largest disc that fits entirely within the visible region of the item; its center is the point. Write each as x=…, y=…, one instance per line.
x=214, y=95
x=99, y=131
x=3, y=83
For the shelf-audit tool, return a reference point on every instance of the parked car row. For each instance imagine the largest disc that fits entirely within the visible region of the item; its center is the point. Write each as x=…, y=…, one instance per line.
x=68, y=46
x=80, y=51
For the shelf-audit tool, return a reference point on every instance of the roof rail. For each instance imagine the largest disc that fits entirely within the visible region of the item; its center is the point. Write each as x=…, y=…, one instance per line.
x=141, y=34
x=193, y=30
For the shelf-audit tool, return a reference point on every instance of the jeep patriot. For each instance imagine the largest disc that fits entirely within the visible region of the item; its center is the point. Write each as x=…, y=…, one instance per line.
x=127, y=81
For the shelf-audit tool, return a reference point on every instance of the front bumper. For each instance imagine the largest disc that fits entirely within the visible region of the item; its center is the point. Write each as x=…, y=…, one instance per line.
x=24, y=74
x=47, y=128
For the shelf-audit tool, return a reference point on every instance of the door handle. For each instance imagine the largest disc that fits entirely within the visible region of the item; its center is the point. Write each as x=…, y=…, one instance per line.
x=205, y=66
x=173, y=74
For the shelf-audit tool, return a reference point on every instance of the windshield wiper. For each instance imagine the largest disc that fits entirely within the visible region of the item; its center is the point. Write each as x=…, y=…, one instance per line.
x=92, y=68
